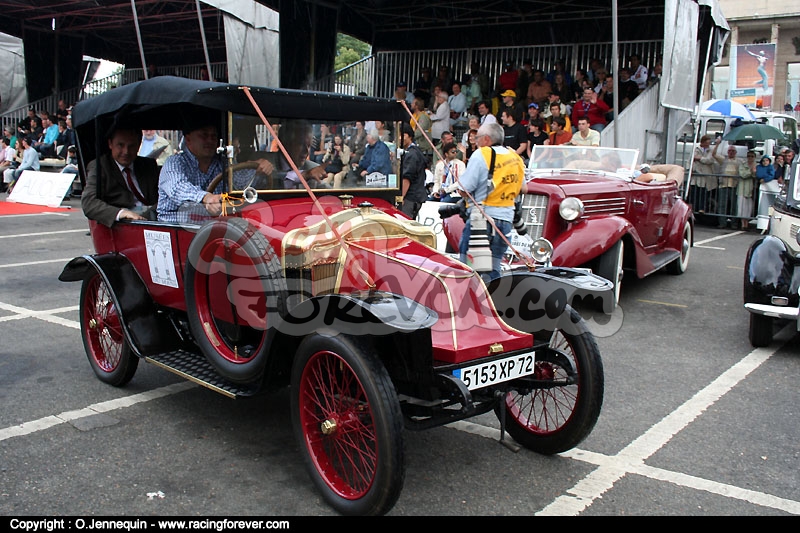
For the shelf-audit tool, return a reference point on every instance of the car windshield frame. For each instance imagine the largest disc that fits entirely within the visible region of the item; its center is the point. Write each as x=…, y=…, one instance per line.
x=553, y=159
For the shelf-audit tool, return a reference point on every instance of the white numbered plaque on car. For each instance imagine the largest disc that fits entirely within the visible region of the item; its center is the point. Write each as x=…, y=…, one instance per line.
x=497, y=371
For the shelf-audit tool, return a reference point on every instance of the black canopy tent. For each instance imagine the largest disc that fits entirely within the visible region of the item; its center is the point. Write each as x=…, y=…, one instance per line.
x=57, y=34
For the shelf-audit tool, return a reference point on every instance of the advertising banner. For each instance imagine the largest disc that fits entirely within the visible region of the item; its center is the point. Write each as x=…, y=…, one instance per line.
x=753, y=67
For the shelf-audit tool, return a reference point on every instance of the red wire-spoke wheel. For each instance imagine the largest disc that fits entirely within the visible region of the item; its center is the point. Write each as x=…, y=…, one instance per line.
x=347, y=420
x=556, y=408
x=235, y=293
x=103, y=338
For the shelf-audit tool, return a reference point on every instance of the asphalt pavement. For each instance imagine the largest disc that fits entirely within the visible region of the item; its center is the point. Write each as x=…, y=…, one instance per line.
x=695, y=422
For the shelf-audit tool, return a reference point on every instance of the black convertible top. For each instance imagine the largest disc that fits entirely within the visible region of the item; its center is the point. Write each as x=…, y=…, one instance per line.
x=170, y=103
x=169, y=92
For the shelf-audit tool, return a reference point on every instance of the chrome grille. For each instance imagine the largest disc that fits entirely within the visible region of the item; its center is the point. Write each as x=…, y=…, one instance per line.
x=793, y=229
x=534, y=210
x=604, y=206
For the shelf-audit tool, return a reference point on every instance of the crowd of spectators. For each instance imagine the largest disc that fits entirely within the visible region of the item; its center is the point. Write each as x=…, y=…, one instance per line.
x=546, y=106
x=735, y=189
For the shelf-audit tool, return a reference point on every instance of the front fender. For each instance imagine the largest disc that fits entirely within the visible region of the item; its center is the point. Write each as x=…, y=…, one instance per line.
x=145, y=329
x=367, y=313
x=771, y=269
x=534, y=301
x=588, y=239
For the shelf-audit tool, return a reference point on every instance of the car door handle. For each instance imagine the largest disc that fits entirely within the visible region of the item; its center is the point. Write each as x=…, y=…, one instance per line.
x=638, y=202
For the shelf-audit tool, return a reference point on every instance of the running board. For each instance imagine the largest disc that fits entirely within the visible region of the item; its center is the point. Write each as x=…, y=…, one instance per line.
x=196, y=368
x=662, y=259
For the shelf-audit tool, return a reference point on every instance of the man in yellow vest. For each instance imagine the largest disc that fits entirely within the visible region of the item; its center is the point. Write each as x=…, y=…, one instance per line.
x=494, y=180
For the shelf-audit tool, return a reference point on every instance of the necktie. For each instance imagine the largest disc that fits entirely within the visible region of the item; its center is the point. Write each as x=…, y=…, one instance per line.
x=132, y=186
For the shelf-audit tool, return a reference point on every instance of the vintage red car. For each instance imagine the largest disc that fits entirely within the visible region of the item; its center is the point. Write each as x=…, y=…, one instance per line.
x=595, y=209
x=332, y=292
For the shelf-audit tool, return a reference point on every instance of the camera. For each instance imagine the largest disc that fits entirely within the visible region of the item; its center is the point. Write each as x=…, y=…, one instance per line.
x=459, y=208
x=519, y=224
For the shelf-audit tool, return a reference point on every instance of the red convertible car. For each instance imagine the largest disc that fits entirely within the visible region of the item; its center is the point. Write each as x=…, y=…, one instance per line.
x=594, y=208
x=332, y=292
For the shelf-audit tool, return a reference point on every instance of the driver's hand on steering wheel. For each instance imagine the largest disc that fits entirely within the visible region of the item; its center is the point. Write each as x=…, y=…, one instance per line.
x=127, y=214
x=213, y=204
x=317, y=173
x=265, y=167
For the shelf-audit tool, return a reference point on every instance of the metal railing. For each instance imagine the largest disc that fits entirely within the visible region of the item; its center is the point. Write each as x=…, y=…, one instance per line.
x=723, y=199
x=377, y=74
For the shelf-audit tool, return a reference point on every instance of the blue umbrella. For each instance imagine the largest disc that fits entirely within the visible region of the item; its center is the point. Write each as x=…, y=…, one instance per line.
x=728, y=108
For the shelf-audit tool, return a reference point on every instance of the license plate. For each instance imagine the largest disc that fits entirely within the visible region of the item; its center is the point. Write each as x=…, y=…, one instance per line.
x=497, y=371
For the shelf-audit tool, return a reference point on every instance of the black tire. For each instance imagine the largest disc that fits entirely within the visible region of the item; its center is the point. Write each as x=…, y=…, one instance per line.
x=559, y=407
x=229, y=258
x=610, y=267
x=760, y=330
x=679, y=265
x=339, y=383
x=109, y=353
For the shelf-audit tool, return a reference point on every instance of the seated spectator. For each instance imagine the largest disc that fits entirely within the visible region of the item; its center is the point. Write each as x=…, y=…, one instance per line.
x=119, y=184
x=7, y=156
x=440, y=118
x=556, y=111
x=447, y=138
x=469, y=147
x=600, y=80
x=485, y=113
x=638, y=71
x=67, y=138
x=559, y=134
x=508, y=79
x=561, y=89
x=458, y=105
x=628, y=89
x=473, y=123
x=155, y=147
x=320, y=143
x=401, y=93
x=8, y=133
x=46, y=146
x=576, y=87
x=536, y=135
x=357, y=142
x=62, y=112
x=30, y=161
x=589, y=106
x=585, y=136
x=384, y=131
x=539, y=88
x=26, y=126
x=376, y=157
x=336, y=161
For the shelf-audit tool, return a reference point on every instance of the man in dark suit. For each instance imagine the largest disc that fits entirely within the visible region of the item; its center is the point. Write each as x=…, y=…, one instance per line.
x=128, y=184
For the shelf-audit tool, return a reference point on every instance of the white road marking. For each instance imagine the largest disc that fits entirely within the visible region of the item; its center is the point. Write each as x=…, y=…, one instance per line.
x=631, y=458
x=103, y=407
x=43, y=262
x=610, y=469
x=42, y=233
x=48, y=315
x=700, y=244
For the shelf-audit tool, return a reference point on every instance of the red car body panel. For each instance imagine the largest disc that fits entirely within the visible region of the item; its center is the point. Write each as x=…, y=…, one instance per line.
x=398, y=265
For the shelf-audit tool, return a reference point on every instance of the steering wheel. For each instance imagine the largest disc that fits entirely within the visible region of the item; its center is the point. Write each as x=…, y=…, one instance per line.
x=237, y=166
